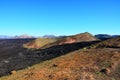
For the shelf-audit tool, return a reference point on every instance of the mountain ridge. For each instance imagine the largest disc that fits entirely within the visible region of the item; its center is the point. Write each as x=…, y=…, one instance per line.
x=60, y=40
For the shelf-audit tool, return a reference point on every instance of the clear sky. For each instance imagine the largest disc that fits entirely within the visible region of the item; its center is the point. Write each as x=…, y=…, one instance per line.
x=59, y=17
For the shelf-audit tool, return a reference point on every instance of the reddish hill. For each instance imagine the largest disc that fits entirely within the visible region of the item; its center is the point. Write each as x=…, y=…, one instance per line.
x=48, y=42
x=83, y=37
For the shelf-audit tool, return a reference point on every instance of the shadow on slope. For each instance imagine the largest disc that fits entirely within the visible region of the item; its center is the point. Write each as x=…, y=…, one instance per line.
x=28, y=57
x=9, y=47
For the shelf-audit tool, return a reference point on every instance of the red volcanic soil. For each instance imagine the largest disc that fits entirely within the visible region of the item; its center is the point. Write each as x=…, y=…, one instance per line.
x=68, y=40
x=39, y=43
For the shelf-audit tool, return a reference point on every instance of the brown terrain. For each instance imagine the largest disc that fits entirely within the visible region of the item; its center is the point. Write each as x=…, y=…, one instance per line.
x=39, y=43
x=65, y=59
x=48, y=42
x=110, y=43
x=92, y=64
x=77, y=38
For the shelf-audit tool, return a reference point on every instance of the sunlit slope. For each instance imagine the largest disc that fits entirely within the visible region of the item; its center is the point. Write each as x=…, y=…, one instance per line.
x=110, y=43
x=90, y=64
x=48, y=42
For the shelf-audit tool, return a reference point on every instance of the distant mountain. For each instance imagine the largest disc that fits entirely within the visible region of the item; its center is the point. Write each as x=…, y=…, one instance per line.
x=48, y=42
x=109, y=43
x=23, y=36
x=49, y=36
x=115, y=36
x=5, y=37
x=105, y=36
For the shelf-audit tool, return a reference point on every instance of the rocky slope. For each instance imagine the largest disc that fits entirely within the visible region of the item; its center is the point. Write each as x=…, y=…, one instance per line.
x=110, y=43
x=90, y=64
x=19, y=58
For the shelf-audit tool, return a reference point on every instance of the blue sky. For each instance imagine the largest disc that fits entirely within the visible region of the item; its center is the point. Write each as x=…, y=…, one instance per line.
x=59, y=17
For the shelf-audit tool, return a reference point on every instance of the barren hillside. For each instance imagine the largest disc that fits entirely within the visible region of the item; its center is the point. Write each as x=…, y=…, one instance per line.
x=92, y=64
